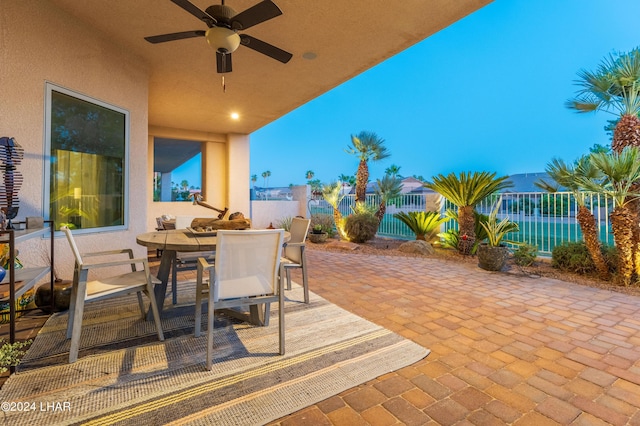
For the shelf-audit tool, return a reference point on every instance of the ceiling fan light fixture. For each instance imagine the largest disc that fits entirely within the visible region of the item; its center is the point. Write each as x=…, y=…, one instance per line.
x=222, y=39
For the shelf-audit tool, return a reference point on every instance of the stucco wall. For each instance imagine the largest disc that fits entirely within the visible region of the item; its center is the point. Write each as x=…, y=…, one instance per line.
x=39, y=43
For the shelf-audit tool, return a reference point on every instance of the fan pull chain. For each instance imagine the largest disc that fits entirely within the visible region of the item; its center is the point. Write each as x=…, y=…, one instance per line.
x=224, y=85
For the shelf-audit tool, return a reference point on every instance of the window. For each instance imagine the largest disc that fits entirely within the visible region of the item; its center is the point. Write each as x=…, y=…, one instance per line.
x=177, y=169
x=87, y=143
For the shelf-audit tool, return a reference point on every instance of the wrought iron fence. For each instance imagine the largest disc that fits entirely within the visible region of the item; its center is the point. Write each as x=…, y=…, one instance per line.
x=545, y=219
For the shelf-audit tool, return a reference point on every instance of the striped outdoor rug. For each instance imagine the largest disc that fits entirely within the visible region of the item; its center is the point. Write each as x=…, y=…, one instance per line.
x=126, y=376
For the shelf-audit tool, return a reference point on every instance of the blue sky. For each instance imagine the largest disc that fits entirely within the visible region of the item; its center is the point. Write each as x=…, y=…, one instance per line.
x=485, y=94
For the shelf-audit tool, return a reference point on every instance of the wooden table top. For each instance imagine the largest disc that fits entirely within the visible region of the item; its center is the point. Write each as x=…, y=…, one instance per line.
x=181, y=240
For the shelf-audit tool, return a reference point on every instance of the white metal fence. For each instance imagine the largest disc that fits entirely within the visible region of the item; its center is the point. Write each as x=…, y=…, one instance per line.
x=545, y=220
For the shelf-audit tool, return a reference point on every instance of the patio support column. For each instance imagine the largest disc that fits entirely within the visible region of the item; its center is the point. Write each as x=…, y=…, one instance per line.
x=238, y=179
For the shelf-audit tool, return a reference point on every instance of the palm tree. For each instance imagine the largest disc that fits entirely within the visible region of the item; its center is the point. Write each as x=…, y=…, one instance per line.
x=254, y=179
x=569, y=176
x=392, y=170
x=367, y=146
x=332, y=194
x=309, y=174
x=388, y=188
x=265, y=176
x=613, y=88
x=620, y=171
x=465, y=191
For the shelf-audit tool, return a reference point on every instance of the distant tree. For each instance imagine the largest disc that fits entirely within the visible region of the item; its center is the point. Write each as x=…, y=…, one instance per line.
x=366, y=146
x=392, y=170
x=347, y=180
x=420, y=178
x=596, y=148
x=309, y=174
x=316, y=187
x=265, y=176
x=254, y=178
x=388, y=188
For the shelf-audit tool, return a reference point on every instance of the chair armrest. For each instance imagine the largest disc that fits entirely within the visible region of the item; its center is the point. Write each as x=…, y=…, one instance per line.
x=109, y=252
x=293, y=244
x=203, y=264
x=130, y=261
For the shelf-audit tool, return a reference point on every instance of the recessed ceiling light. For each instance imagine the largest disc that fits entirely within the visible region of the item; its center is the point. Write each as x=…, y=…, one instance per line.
x=235, y=115
x=309, y=55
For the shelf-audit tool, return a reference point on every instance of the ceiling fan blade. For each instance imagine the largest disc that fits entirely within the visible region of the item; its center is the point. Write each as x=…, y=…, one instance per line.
x=223, y=62
x=189, y=7
x=265, y=48
x=261, y=12
x=174, y=36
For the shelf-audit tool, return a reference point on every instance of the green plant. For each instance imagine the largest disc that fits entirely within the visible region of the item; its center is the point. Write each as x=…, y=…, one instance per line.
x=388, y=190
x=11, y=353
x=451, y=238
x=424, y=224
x=324, y=222
x=465, y=191
x=525, y=254
x=574, y=257
x=332, y=194
x=496, y=229
x=366, y=146
x=361, y=227
x=284, y=223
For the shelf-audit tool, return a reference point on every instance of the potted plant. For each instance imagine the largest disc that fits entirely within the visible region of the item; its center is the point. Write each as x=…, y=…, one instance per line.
x=318, y=235
x=492, y=254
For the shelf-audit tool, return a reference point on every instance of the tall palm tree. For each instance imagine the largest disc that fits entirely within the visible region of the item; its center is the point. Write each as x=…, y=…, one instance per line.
x=254, y=179
x=367, y=146
x=568, y=176
x=265, y=176
x=389, y=187
x=465, y=191
x=620, y=171
x=332, y=194
x=613, y=87
x=309, y=174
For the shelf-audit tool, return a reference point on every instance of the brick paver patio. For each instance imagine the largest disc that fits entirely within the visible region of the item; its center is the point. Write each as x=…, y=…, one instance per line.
x=505, y=349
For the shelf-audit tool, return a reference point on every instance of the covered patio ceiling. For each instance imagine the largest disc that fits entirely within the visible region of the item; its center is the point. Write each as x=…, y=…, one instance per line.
x=331, y=42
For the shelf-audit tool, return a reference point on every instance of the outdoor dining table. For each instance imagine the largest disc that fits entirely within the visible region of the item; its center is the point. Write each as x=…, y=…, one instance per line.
x=184, y=240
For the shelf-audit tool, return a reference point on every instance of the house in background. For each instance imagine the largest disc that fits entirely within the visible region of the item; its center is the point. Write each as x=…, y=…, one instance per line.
x=87, y=96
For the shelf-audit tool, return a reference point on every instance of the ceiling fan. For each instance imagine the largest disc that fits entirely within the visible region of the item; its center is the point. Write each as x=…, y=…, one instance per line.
x=224, y=24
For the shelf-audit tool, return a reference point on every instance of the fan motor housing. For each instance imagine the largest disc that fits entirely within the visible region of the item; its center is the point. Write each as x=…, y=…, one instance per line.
x=221, y=13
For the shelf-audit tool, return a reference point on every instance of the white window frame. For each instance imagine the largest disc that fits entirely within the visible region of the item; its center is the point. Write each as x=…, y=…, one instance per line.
x=49, y=88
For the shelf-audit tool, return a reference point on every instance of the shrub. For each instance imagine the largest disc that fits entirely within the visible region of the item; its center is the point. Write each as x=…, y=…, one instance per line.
x=285, y=223
x=11, y=353
x=360, y=227
x=424, y=225
x=325, y=221
x=574, y=257
x=525, y=254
